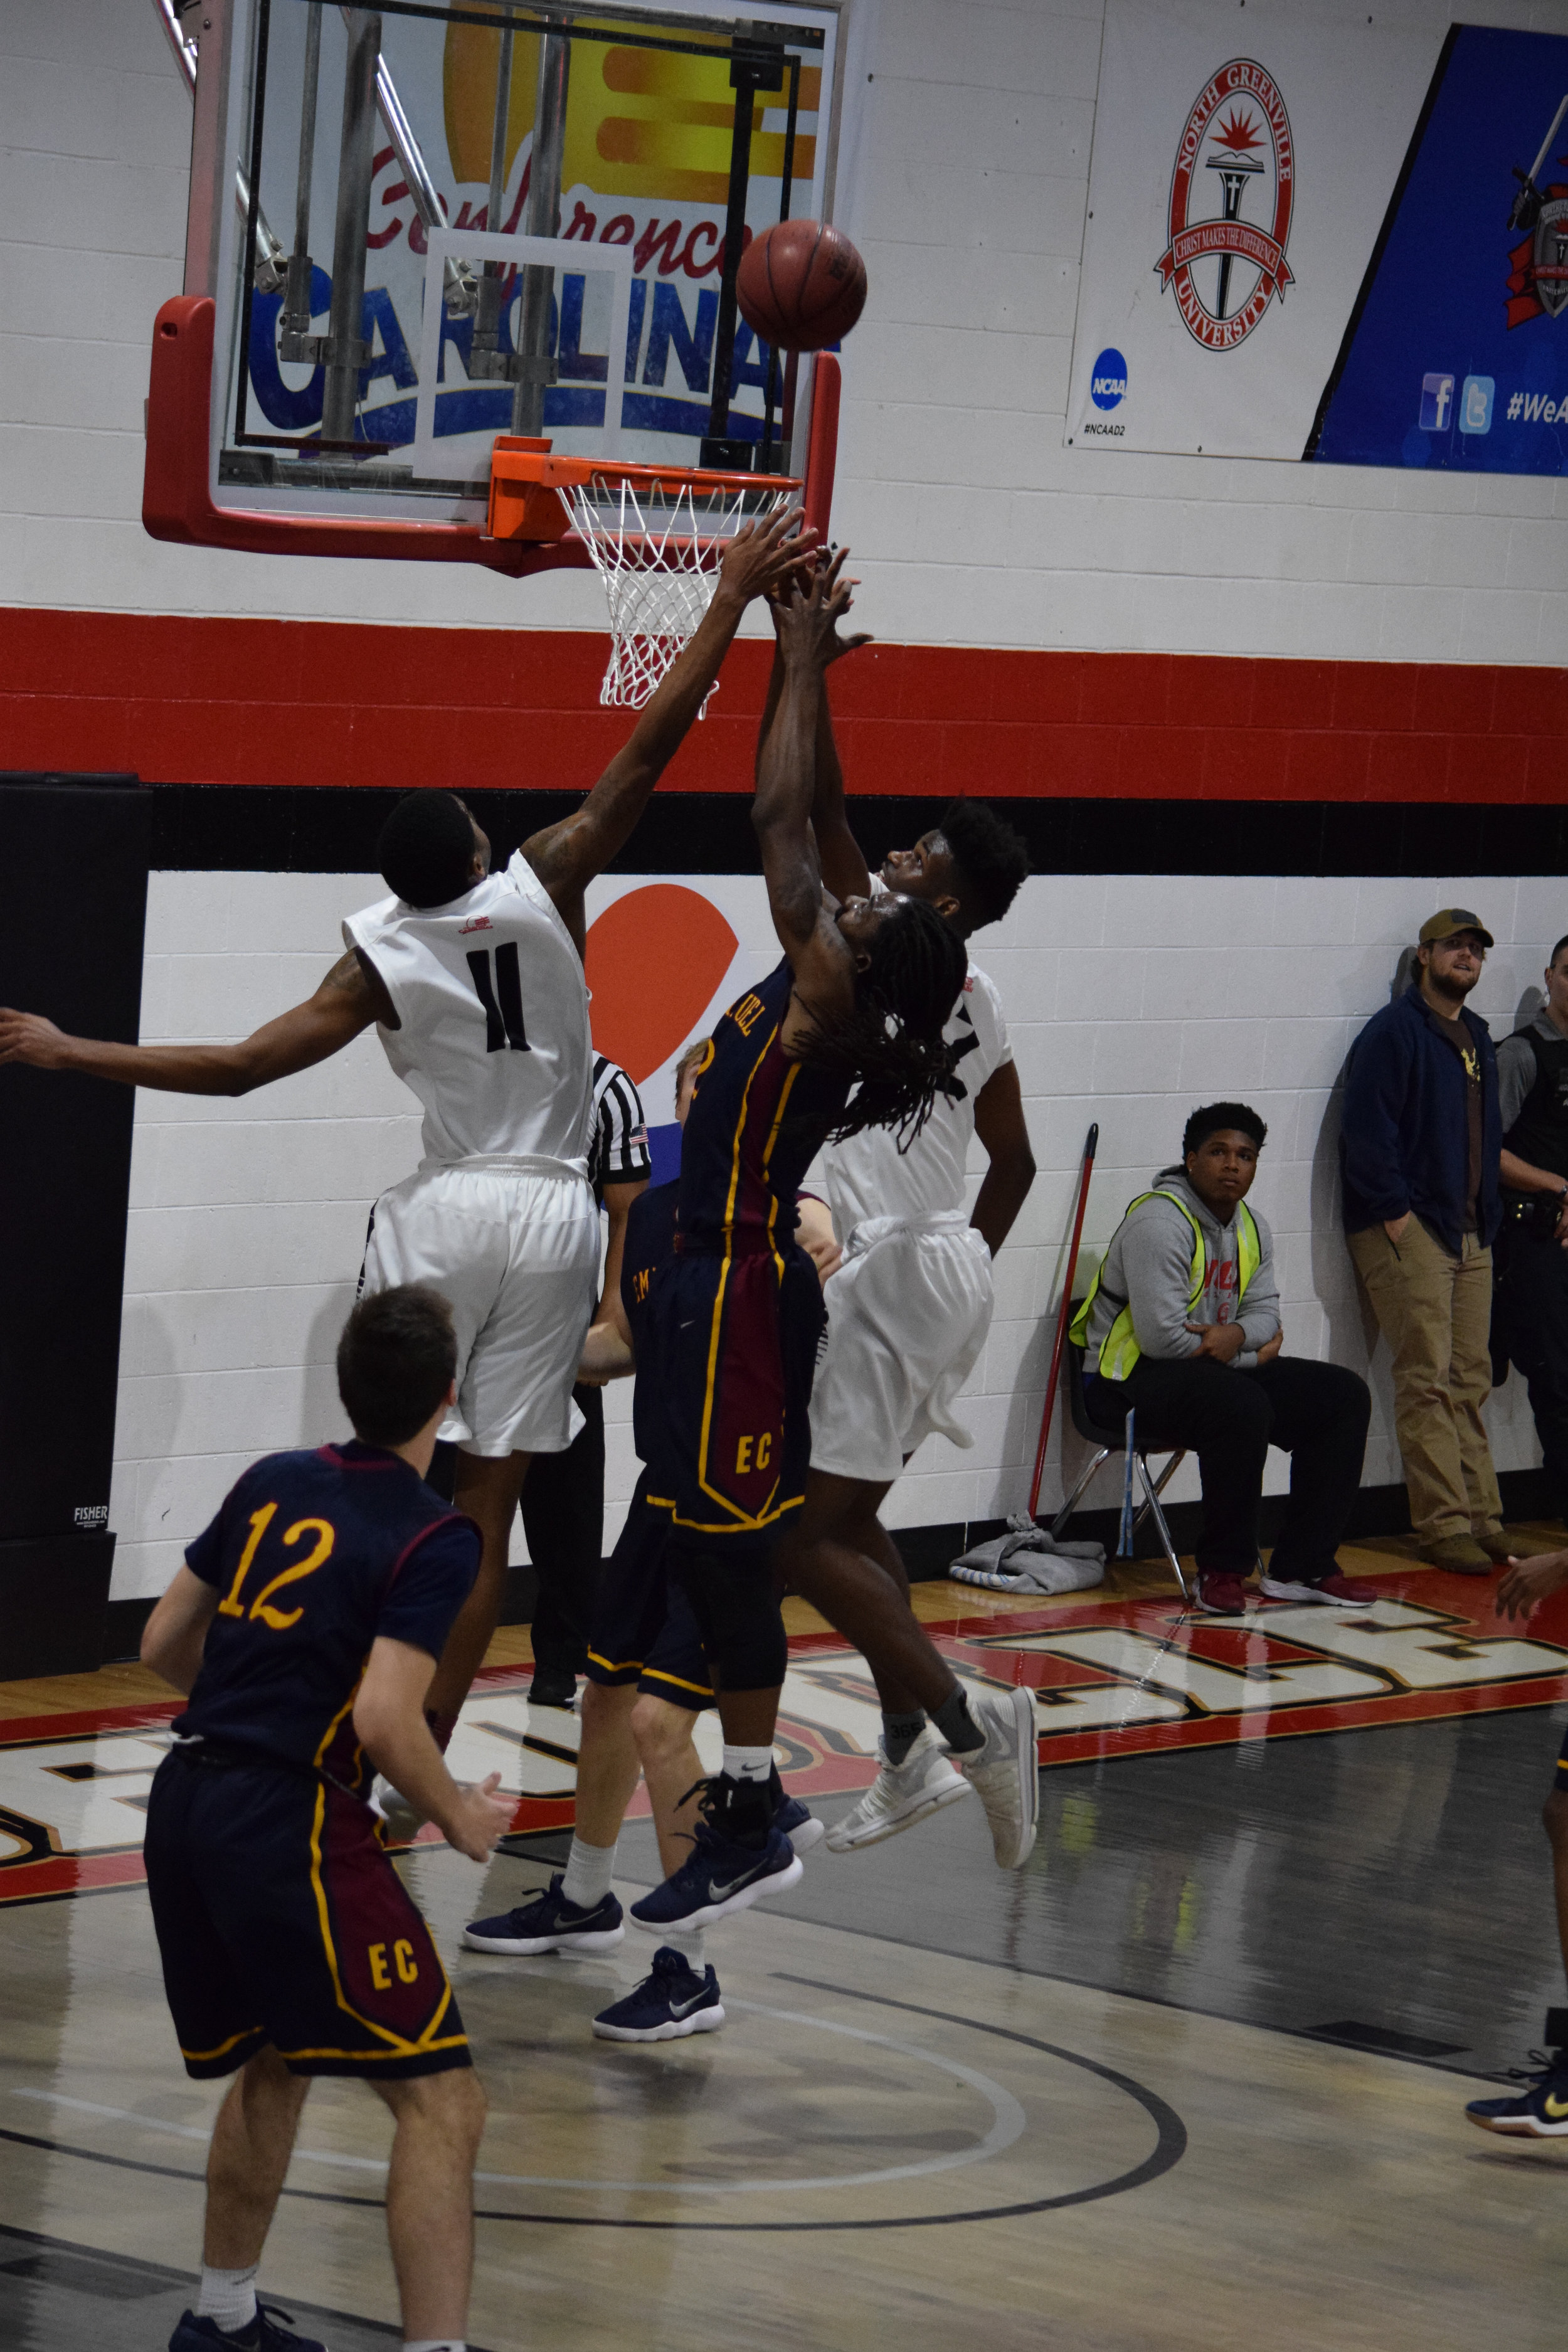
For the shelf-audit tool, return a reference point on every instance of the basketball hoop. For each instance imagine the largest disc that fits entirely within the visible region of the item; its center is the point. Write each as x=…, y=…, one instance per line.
x=655, y=534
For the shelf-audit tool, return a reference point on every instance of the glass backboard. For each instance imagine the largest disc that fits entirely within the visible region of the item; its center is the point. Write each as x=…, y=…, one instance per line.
x=454, y=222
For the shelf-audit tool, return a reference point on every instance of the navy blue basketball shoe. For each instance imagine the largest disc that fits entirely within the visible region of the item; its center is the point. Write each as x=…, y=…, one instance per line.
x=263, y=2335
x=669, y=2004
x=802, y=1827
x=736, y=1857
x=549, y=1924
x=1540, y=2113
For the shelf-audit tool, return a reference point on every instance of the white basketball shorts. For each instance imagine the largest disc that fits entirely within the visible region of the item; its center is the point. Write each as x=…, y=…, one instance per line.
x=517, y=1254
x=908, y=1312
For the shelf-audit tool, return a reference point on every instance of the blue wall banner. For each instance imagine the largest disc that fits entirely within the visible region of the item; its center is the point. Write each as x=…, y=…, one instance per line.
x=1457, y=352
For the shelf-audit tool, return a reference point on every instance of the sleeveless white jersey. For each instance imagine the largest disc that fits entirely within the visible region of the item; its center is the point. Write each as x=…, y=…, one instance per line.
x=493, y=1002
x=869, y=1177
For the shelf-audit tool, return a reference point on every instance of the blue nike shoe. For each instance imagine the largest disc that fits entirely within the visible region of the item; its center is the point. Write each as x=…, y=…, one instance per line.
x=802, y=1827
x=670, y=2003
x=1540, y=2113
x=720, y=1877
x=549, y=1924
x=263, y=2335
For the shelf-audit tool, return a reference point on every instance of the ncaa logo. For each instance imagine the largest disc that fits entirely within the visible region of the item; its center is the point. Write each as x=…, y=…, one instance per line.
x=1108, y=384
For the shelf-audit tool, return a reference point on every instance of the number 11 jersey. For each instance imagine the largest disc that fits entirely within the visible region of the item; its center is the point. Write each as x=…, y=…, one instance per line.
x=492, y=1004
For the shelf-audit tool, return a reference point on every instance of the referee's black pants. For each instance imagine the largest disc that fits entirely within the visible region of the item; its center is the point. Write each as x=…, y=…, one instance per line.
x=1535, y=1297
x=563, y=1519
x=1317, y=1413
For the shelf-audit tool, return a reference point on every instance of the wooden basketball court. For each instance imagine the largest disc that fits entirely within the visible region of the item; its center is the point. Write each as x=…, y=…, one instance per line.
x=1194, y=2078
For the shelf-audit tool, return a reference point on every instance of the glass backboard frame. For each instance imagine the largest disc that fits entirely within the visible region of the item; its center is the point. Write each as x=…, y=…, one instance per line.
x=222, y=249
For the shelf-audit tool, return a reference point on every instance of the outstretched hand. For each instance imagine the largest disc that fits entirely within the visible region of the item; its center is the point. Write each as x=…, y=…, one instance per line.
x=1526, y=1581
x=765, y=552
x=28, y=1037
x=806, y=618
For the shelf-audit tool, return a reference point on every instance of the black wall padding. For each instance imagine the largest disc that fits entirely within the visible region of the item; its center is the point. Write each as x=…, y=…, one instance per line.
x=74, y=855
x=322, y=829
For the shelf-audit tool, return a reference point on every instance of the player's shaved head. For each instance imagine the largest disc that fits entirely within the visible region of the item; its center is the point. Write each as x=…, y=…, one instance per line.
x=395, y=1362
x=426, y=849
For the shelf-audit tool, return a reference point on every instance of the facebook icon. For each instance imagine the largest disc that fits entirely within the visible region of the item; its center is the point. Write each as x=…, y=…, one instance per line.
x=1437, y=403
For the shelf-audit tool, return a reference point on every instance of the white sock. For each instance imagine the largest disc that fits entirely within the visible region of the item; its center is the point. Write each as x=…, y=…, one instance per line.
x=433, y=2344
x=747, y=1763
x=689, y=1942
x=589, y=1870
x=228, y=2297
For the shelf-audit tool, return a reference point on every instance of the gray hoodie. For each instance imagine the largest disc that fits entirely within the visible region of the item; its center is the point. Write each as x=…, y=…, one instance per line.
x=1150, y=1266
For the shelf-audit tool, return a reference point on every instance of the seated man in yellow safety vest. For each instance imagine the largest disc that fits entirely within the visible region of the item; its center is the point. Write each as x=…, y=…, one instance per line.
x=1182, y=1327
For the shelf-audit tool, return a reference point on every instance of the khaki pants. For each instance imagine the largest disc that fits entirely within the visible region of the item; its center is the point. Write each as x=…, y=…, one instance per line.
x=1435, y=1311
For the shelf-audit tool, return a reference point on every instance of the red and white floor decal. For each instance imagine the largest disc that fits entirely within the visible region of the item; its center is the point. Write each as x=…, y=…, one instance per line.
x=1111, y=1679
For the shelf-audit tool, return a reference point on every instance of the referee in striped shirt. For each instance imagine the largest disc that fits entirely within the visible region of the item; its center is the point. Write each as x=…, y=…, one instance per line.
x=563, y=1497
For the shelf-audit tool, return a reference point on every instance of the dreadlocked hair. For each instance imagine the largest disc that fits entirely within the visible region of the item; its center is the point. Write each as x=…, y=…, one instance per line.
x=891, y=1040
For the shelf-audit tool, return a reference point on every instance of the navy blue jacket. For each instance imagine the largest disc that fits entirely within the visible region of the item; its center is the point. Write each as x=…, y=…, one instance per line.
x=1405, y=1139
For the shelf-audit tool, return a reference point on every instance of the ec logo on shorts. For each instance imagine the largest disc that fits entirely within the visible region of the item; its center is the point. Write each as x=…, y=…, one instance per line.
x=1108, y=384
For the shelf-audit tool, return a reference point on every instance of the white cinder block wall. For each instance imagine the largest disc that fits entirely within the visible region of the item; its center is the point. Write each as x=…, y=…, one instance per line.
x=248, y=1218
x=964, y=171
x=963, y=177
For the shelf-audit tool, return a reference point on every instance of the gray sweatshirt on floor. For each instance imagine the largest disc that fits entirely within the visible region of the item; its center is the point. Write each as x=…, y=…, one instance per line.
x=1150, y=1266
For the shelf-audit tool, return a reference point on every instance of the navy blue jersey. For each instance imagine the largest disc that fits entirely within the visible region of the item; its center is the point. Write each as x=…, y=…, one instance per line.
x=314, y=1555
x=755, y=1123
x=650, y=1240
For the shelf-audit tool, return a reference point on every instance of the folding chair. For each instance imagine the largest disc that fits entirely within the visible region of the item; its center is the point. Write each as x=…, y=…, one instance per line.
x=1107, y=1441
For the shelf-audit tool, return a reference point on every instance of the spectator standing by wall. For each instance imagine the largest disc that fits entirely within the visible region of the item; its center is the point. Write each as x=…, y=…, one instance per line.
x=1418, y=1156
x=1532, y=1245
x=563, y=1499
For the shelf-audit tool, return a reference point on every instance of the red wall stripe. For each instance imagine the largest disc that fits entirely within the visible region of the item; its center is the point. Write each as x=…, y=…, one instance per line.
x=287, y=702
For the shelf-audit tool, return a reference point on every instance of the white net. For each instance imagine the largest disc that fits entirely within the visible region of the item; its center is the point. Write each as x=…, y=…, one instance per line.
x=657, y=549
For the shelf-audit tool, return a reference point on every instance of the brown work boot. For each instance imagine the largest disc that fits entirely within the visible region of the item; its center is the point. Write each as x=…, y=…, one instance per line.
x=1499, y=1546
x=1460, y=1555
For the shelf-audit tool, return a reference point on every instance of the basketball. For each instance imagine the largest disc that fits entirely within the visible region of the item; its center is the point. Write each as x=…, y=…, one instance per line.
x=801, y=285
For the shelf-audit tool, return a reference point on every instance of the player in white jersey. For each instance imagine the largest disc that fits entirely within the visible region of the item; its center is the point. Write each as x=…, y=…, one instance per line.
x=474, y=981
x=908, y=1314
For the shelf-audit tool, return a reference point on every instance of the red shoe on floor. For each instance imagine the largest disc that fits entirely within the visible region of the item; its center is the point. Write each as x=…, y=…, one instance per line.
x=1222, y=1596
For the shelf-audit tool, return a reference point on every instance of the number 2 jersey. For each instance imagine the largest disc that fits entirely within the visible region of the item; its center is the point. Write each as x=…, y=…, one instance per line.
x=313, y=1555
x=493, y=1003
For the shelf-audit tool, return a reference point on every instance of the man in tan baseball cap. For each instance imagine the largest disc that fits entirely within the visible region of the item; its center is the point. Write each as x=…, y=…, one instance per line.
x=1419, y=1150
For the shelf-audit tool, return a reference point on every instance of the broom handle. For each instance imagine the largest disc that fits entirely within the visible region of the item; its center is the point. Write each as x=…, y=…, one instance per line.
x=1091, y=1146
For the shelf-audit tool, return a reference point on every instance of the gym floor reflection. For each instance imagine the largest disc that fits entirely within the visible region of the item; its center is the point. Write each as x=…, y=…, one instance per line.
x=1194, y=2077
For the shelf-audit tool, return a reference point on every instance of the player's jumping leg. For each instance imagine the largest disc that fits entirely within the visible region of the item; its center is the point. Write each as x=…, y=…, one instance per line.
x=840, y=1558
x=737, y=1853
x=488, y=1488
x=252, y=2142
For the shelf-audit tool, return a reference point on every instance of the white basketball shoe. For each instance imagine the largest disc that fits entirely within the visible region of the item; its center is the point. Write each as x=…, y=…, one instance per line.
x=1005, y=1773
x=901, y=1795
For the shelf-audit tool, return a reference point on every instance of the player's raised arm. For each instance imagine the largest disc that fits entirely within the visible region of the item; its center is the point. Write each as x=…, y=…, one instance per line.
x=844, y=866
x=808, y=640
x=567, y=857
x=349, y=998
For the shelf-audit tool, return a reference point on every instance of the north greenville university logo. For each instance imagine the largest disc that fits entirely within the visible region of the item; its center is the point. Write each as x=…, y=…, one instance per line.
x=1225, y=270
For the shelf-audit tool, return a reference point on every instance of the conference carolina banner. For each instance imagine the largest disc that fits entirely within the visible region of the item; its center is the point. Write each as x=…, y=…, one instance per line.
x=1315, y=237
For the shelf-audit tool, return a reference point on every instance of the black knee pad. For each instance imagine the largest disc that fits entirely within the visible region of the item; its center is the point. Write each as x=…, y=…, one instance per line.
x=736, y=1604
